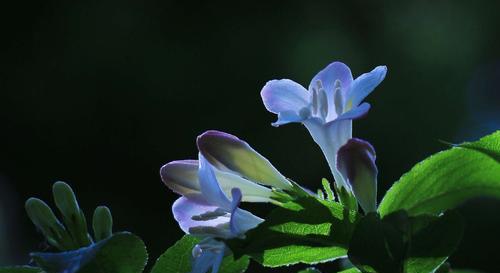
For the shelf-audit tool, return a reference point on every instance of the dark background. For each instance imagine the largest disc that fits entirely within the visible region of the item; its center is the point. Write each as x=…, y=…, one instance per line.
x=101, y=94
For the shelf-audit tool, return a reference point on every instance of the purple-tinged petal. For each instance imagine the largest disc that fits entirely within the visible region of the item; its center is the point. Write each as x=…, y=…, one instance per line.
x=182, y=177
x=356, y=163
x=356, y=112
x=209, y=186
x=229, y=153
x=284, y=95
x=286, y=98
x=185, y=209
x=241, y=220
x=331, y=73
x=363, y=85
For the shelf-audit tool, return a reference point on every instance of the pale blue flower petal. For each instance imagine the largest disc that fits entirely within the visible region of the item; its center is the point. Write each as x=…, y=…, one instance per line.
x=364, y=85
x=330, y=137
x=241, y=220
x=181, y=176
x=185, y=209
x=209, y=259
x=286, y=97
x=331, y=73
x=356, y=163
x=356, y=112
x=286, y=117
x=209, y=186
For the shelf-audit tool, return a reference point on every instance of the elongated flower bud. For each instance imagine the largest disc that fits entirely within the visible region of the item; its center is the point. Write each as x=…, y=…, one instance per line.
x=73, y=216
x=102, y=223
x=44, y=219
x=229, y=153
x=356, y=163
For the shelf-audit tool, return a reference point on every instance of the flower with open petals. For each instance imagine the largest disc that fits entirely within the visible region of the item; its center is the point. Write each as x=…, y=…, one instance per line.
x=212, y=215
x=327, y=108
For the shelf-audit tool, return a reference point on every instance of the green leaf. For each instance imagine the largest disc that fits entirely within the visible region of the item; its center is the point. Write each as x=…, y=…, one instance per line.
x=350, y=270
x=121, y=253
x=20, y=269
x=177, y=259
x=306, y=231
x=379, y=245
x=398, y=243
x=430, y=247
x=446, y=179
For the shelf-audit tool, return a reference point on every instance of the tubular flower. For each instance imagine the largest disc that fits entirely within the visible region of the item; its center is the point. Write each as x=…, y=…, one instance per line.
x=235, y=165
x=356, y=163
x=230, y=154
x=211, y=215
x=326, y=108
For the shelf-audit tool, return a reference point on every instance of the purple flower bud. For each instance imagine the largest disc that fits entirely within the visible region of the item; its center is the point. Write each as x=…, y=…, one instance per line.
x=356, y=163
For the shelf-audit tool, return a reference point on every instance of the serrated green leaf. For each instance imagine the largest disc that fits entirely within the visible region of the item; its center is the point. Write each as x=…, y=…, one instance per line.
x=306, y=231
x=121, y=253
x=177, y=259
x=20, y=269
x=446, y=179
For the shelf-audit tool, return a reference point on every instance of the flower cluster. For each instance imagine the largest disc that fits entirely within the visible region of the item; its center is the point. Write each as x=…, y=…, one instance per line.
x=229, y=171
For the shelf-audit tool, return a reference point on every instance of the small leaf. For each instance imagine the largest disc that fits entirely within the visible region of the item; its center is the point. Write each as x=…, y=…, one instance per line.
x=329, y=193
x=447, y=179
x=306, y=231
x=102, y=222
x=20, y=269
x=72, y=215
x=45, y=220
x=121, y=253
x=177, y=259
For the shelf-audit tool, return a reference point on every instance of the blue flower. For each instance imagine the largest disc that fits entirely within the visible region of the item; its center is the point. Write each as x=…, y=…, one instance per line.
x=211, y=215
x=356, y=163
x=327, y=108
x=235, y=165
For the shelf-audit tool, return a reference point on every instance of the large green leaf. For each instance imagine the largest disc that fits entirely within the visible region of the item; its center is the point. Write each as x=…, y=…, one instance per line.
x=121, y=253
x=398, y=243
x=177, y=259
x=20, y=269
x=379, y=245
x=447, y=179
x=305, y=231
